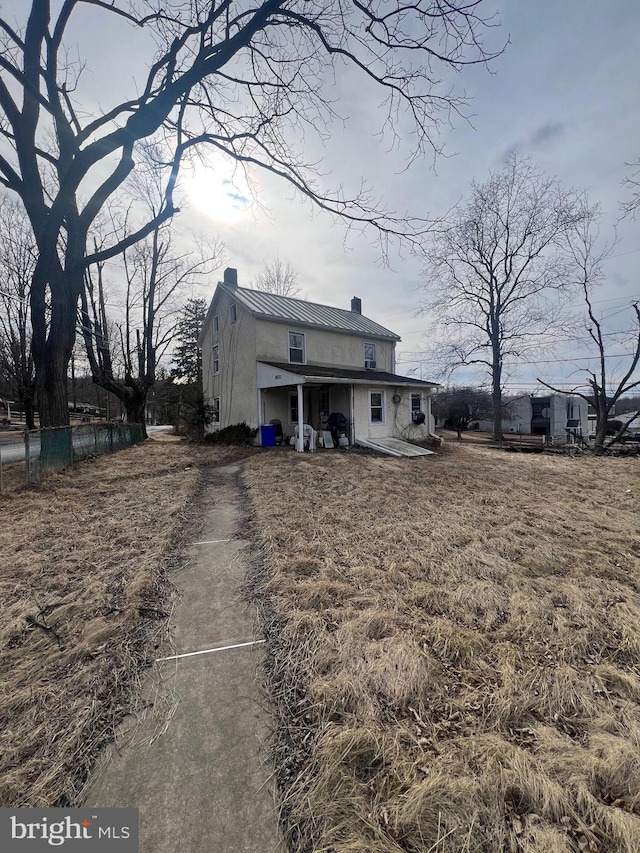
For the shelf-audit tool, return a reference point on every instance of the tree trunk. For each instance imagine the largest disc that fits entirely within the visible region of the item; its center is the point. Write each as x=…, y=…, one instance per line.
x=54, y=335
x=602, y=408
x=132, y=395
x=56, y=446
x=601, y=434
x=496, y=375
x=135, y=407
x=496, y=395
x=51, y=383
x=29, y=413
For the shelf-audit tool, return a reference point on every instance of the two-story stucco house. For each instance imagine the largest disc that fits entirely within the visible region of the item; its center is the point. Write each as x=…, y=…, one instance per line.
x=268, y=357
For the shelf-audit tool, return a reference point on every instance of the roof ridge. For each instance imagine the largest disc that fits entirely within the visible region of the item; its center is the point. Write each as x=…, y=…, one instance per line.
x=317, y=314
x=304, y=301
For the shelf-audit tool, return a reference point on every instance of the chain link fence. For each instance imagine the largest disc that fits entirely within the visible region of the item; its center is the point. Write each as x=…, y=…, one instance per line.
x=22, y=463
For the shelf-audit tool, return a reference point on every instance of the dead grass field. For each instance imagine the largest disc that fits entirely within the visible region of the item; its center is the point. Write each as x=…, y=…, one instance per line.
x=454, y=650
x=85, y=604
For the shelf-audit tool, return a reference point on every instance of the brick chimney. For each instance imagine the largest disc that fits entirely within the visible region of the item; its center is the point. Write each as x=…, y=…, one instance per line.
x=231, y=277
x=356, y=305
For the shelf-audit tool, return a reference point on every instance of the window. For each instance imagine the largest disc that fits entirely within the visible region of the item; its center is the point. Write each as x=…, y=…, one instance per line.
x=376, y=407
x=325, y=405
x=416, y=403
x=369, y=356
x=215, y=360
x=233, y=313
x=215, y=411
x=296, y=348
x=293, y=408
x=216, y=323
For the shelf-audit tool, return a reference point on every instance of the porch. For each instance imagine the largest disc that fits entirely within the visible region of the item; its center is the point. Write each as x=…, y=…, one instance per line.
x=356, y=406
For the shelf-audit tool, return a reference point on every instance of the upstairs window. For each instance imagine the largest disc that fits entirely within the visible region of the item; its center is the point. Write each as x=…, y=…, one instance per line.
x=296, y=348
x=216, y=323
x=215, y=360
x=369, y=356
x=233, y=313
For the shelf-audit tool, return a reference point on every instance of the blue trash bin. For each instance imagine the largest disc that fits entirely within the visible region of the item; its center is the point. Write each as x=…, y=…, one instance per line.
x=268, y=435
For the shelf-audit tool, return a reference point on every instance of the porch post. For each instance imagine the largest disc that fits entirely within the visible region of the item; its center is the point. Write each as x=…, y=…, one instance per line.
x=300, y=441
x=352, y=416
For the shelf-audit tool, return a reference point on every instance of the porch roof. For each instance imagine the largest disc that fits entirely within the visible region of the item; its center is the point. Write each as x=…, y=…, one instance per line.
x=283, y=373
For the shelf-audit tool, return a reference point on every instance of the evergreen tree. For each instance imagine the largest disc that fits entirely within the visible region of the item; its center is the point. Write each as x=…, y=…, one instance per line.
x=187, y=356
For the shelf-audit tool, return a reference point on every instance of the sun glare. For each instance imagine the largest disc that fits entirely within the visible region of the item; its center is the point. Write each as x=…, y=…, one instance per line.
x=218, y=192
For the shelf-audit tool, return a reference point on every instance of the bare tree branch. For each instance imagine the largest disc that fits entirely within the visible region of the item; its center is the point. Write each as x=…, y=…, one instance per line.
x=604, y=390
x=632, y=182
x=247, y=80
x=277, y=277
x=157, y=277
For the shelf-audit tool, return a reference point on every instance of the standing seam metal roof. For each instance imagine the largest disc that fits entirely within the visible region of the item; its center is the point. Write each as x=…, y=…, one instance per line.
x=284, y=308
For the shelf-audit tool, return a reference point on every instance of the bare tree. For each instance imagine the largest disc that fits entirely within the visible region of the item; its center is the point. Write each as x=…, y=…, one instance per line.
x=632, y=182
x=245, y=81
x=18, y=255
x=460, y=405
x=607, y=384
x=278, y=277
x=124, y=351
x=496, y=277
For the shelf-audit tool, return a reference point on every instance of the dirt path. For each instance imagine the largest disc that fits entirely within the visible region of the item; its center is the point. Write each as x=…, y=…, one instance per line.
x=203, y=784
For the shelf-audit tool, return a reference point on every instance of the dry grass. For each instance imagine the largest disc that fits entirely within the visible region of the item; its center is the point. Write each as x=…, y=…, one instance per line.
x=85, y=604
x=454, y=650
x=13, y=477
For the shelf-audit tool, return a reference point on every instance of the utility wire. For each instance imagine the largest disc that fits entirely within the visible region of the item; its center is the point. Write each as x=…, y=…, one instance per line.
x=539, y=361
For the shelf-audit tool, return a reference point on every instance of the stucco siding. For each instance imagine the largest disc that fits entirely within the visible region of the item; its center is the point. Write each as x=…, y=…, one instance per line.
x=275, y=404
x=397, y=415
x=235, y=383
x=321, y=347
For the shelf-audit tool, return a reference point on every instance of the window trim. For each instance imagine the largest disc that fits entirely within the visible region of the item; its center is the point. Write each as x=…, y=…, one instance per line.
x=370, y=363
x=382, y=408
x=233, y=313
x=324, y=412
x=215, y=359
x=304, y=346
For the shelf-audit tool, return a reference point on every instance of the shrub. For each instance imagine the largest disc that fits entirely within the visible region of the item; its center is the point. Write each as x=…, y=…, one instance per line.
x=240, y=433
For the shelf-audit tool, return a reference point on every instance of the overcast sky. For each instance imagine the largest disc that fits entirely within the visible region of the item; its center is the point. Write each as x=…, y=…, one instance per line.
x=565, y=91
